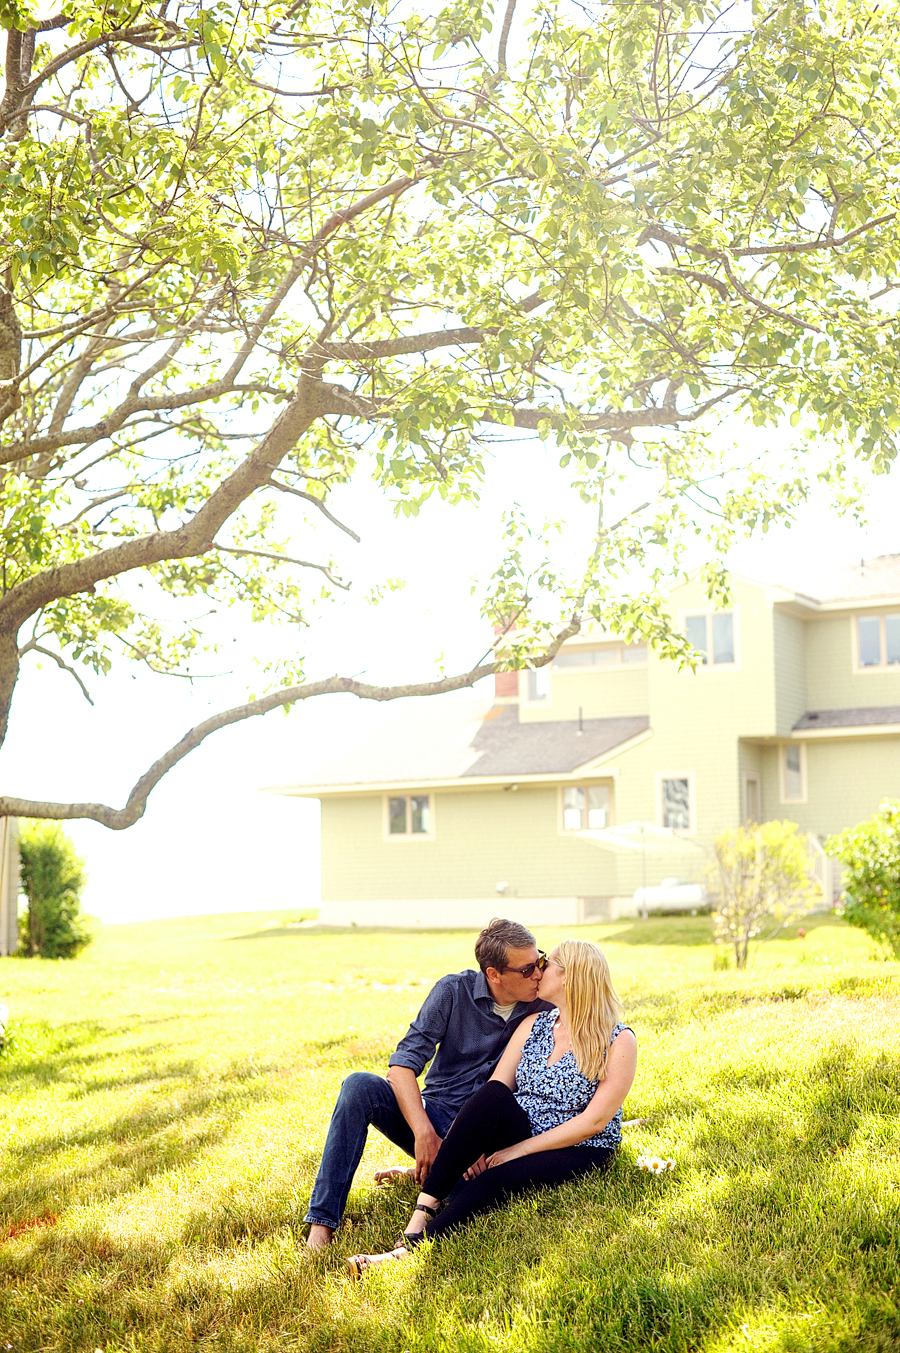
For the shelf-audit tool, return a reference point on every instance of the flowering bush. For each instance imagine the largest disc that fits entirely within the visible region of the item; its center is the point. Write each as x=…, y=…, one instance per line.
x=870, y=853
x=761, y=874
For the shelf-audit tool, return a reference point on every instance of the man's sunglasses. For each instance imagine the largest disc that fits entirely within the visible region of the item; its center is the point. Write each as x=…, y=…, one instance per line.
x=542, y=961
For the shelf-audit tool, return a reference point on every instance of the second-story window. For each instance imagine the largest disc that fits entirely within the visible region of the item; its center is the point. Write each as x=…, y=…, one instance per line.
x=712, y=635
x=622, y=655
x=878, y=640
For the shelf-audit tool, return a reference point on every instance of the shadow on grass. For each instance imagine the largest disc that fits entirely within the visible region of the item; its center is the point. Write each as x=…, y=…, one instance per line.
x=766, y=1236
x=769, y=1235
x=179, y=1116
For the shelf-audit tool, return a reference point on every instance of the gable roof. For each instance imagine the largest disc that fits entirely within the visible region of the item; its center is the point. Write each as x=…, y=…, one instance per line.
x=868, y=579
x=437, y=741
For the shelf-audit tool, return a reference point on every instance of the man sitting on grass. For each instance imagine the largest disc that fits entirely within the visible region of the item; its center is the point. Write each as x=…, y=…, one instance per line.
x=467, y=1018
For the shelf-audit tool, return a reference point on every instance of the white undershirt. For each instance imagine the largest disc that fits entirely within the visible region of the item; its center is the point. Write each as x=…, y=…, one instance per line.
x=504, y=1011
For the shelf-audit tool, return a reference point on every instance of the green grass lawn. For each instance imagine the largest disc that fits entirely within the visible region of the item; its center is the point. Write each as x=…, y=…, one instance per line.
x=164, y=1099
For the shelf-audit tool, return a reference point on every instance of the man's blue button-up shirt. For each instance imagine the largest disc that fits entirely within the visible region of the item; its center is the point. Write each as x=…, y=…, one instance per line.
x=458, y=1020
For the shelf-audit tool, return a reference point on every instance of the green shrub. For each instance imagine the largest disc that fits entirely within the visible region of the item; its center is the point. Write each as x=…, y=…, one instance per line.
x=761, y=874
x=53, y=878
x=870, y=853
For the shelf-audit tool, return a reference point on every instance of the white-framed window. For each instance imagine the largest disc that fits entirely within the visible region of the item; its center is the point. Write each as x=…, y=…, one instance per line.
x=876, y=641
x=793, y=772
x=408, y=817
x=675, y=800
x=599, y=656
x=585, y=806
x=537, y=685
x=714, y=635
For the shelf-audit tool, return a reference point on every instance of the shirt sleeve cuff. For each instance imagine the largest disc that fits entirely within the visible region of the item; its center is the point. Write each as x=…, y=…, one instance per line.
x=405, y=1059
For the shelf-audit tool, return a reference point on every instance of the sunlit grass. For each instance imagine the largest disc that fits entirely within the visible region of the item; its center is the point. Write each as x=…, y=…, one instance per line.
x=163, y=1100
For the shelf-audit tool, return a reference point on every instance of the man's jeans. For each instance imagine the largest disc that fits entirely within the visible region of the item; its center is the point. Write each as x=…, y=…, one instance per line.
x=365, y=1099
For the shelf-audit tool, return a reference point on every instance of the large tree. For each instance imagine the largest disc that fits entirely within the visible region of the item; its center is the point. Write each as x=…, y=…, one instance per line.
x=254, y=248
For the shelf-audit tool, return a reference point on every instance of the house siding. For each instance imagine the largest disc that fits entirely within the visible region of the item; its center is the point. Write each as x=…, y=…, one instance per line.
x=790, y=669
x=831, y=682
x=481, y=838
x=597, y=693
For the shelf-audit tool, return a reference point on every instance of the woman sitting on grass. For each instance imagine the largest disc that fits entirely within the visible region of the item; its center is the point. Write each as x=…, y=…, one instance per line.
x=552, y=1110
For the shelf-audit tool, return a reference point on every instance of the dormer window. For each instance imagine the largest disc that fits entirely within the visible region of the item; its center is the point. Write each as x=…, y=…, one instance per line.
x=712, y=634
x=877, y=641
x=597, y=656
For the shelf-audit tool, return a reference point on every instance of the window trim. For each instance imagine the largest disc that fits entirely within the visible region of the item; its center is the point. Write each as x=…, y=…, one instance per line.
x=711, y=666
x=618, y=666
x=688, y=775
x=386, y=832
x=607, y=784
x=883, y=665
x=542, y=701
x=782, y=772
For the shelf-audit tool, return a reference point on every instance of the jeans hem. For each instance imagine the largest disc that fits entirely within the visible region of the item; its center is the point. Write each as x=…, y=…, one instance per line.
x=319, y=1220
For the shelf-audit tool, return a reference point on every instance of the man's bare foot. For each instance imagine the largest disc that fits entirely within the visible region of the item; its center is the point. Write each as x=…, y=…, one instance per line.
x=392, y=1172
x=320, y=1237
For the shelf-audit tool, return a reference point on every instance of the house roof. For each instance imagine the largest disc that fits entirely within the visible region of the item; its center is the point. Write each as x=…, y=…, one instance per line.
x=875, y=716
x=868, y=579
x=437, y=741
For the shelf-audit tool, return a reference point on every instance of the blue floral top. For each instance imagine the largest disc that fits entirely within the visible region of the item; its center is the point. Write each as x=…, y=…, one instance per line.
x=551, y=1095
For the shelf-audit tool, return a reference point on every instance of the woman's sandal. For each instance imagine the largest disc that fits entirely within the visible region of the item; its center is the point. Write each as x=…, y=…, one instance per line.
x=409, y=1239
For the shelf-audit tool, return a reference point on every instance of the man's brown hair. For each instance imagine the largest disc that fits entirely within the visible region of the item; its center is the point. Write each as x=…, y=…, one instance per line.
x=495, y=941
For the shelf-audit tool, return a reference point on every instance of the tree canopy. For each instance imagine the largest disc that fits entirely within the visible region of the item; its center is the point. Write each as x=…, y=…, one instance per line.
x=254, y=248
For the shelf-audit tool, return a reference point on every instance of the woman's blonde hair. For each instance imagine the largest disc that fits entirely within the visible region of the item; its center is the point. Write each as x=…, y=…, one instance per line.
x=593, y=1007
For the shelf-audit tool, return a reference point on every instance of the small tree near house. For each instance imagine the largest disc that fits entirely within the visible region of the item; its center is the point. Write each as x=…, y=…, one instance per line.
x=53, y=878
x=870, y=853
x=761, y=873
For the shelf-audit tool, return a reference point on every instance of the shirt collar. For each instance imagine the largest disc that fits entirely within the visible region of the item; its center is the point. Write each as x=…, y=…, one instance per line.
x=481, y=991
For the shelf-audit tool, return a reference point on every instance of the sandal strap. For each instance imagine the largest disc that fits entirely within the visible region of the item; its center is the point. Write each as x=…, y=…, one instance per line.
x=429, y=1211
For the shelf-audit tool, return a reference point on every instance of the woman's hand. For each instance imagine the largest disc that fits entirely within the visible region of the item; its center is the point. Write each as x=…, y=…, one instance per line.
x=501, y=1157
x=475, y=1170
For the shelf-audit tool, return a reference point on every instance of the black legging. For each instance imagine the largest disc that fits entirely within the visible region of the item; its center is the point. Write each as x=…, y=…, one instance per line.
x=488, y=1121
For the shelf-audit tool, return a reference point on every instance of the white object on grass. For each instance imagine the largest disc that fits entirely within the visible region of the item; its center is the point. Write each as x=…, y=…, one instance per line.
x=655, y=1164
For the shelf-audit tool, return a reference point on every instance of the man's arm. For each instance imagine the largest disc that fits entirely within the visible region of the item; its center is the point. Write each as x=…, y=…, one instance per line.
x=403, y=1082
x=412, y=1055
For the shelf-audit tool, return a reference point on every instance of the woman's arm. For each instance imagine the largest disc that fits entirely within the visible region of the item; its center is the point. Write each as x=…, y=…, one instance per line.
x=608, y=1098
x=505, y=1070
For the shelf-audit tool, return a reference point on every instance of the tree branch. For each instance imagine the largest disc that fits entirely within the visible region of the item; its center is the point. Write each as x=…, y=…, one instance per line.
x=316, y=502
x=281, y=559
x=504, y=34
x=117, y=819
x=34, y=647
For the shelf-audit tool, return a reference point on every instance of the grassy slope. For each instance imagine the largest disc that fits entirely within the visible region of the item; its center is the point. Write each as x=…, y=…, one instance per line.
x=165, y=1097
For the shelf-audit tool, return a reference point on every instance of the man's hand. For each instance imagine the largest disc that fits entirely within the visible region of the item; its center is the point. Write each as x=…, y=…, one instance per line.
x=428, y=1143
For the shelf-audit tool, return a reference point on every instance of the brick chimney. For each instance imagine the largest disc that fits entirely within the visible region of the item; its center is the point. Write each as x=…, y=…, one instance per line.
x=506, y=684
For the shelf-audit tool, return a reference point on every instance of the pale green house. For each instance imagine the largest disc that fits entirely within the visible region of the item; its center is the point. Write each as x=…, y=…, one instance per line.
x=463, y=809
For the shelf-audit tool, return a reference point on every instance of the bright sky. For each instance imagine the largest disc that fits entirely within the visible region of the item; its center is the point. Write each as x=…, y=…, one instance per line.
x=210, y=840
